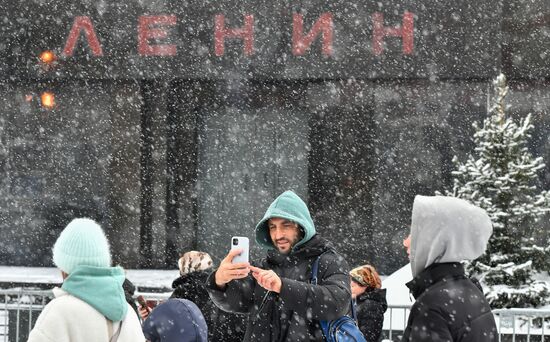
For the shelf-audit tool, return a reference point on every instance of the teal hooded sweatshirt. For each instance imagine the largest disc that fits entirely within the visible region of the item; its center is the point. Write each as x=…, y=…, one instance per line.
x=101, y=287
x=287, y=206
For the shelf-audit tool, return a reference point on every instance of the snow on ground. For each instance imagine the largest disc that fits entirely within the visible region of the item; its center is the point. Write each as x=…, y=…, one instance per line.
x=397, y=294
x=161, y=279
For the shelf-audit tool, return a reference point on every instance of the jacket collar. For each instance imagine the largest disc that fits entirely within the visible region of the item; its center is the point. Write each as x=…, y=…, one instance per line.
x=377, y=295
x=434, y=274
x=197, y=276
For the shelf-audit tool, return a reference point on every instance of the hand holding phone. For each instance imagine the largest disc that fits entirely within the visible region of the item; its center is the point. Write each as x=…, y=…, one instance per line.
x=142, y=302
x=242, y=243
x=144, y=310
x=235, y=265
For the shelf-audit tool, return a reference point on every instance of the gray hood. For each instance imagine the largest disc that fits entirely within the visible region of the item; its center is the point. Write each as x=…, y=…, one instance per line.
x=446, y=229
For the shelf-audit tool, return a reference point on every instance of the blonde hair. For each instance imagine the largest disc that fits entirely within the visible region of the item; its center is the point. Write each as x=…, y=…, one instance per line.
x=366, y=275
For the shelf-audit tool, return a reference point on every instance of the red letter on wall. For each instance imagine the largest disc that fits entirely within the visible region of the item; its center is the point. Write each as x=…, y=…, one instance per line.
x=146, y=32
x=406, y=32
x=246, y=33
x=82, y=24
x=323, y=25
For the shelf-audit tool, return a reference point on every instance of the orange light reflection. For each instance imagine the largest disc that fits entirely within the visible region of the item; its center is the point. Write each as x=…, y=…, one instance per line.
x=47, y=99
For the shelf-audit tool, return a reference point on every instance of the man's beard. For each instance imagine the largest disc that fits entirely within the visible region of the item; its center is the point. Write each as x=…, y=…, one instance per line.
x=285, y=251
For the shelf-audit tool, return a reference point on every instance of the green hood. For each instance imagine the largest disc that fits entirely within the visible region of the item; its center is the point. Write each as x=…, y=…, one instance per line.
x=291, y=207
x=101, y=287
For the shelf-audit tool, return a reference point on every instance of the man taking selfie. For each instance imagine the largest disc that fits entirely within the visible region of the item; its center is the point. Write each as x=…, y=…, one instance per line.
x=277, y=294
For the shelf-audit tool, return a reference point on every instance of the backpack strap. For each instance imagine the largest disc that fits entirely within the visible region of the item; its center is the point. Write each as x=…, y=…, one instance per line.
x=113, y=336
x=315, y=268
x=314, y=280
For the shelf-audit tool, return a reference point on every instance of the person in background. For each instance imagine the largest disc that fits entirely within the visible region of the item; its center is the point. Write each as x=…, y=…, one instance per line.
x=90, y=305
x=176, y=320
x=281, y=302
x=370, y=301
x=449, y=306
x=195, y=267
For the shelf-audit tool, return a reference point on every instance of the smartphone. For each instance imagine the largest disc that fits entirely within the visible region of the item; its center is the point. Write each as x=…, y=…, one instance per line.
x=143, y=303
x=240, y=242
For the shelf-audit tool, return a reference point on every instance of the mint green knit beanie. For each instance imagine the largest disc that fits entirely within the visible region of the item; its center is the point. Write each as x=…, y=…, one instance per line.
x=81, y=243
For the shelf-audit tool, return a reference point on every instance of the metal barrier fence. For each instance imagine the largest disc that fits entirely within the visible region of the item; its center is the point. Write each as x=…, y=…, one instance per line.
x=528, y=325
x=514, y=325
x=395, y=320
x=19, y=309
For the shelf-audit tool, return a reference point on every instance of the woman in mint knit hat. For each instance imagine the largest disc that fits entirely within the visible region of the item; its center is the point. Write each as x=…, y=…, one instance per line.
x=90, y=305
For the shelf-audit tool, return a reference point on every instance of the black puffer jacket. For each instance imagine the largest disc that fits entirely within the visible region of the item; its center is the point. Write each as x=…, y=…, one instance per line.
x=293, y=314
x=370, y=309
x=222, y=326
x=449, y=307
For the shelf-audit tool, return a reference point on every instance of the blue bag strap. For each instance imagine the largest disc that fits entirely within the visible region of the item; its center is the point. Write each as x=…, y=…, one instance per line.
x=315, y=270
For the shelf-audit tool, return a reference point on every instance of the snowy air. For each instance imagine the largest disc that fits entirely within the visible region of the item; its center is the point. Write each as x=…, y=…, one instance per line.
x=233, y=171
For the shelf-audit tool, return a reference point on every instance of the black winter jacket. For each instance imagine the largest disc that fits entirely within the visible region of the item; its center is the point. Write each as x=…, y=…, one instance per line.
x=222, y=326
x=449, y=307
x=293, y=314
x=370, y=308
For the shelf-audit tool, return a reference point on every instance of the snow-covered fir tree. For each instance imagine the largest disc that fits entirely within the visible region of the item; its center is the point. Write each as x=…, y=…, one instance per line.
x=501, y=177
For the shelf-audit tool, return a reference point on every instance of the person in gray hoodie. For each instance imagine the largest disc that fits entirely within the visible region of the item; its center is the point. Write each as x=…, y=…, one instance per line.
x=449, y=306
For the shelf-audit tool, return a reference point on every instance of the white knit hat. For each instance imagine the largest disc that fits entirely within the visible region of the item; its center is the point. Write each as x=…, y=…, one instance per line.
x=81, y=243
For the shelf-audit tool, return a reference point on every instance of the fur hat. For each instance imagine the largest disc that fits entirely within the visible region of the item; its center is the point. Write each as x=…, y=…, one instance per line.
x=194, y=261
x=366, y=275
x=81, y=243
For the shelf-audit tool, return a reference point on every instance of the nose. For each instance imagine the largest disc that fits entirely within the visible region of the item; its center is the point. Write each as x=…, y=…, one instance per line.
x=407, y=241
x=277, y=233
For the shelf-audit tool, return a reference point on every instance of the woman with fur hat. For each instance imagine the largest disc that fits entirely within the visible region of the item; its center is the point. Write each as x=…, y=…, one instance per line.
x=195, y=267
x=90, y=305
x=369, y=300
